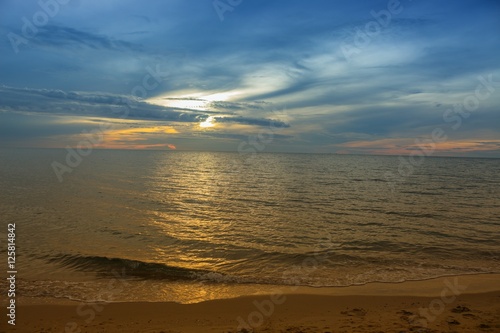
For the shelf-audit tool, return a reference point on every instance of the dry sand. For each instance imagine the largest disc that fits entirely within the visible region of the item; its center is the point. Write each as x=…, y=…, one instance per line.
x=452, y=304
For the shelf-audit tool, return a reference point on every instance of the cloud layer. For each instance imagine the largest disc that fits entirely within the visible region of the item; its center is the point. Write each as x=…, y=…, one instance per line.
x=323, y=76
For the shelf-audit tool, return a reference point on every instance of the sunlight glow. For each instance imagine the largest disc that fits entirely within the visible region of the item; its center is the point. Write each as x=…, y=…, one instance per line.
x=224, y=96
x=209, y=122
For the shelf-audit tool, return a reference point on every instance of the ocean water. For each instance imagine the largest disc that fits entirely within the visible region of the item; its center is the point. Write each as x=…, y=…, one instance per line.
x=192, y=226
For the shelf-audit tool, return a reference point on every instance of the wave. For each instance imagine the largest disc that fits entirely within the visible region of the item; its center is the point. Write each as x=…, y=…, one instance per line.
x=105, y=266
x=320, y=268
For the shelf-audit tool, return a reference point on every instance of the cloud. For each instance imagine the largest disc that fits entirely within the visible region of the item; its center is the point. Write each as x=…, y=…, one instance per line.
x=64, y=37
x=86, y=61
x=407, y=146
x=253, y=121
x=58, y=102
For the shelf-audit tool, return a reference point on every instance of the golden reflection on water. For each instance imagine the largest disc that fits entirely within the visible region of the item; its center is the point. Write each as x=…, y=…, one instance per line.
x=235, y=215
x=228, y=219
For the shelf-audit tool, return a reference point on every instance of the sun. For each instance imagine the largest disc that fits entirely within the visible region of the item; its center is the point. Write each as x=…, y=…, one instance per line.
x=209, y=122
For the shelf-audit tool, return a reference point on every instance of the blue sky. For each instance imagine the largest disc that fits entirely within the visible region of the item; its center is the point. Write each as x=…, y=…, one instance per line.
x=364, y=77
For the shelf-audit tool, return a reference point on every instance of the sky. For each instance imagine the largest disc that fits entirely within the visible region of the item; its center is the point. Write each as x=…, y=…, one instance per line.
x=346, y=77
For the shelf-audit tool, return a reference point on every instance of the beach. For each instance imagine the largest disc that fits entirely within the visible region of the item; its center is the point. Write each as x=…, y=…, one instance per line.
x=450, y=304
x=235, y=166
x=213, y=249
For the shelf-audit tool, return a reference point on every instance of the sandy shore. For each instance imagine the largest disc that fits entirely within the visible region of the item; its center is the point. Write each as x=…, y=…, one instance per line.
x=452, y=304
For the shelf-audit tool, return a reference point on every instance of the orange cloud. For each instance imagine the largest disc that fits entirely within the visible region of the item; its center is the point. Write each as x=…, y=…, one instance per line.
x=144, y=130
x=137, y=146
x=404, y=146
x=138, y=138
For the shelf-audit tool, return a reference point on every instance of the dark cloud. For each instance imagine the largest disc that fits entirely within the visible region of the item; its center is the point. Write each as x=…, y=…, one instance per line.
x=86, y=61
x=235, y=106
x=63, y=37
x=24, y=126
x=253, y=121
x=106, y=105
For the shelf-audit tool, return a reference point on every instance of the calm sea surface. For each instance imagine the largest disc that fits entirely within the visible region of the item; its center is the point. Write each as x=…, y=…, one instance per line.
x=190, y=226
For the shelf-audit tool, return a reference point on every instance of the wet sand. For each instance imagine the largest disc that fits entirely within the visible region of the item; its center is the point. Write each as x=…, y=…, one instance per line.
x=451, y=304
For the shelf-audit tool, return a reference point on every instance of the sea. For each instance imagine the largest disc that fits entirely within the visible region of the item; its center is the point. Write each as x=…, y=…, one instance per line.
x=128, y=225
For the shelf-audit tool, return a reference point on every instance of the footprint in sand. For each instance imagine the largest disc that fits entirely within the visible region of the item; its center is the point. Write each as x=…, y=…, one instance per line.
x=354, y=312
x=469, y=316
x=408, y=317
x=405, y=313
x=460, y=309
x=452, y=321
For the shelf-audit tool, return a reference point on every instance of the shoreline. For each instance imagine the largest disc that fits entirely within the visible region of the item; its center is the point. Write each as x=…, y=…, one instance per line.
x=464, y=303
x=476, y=283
